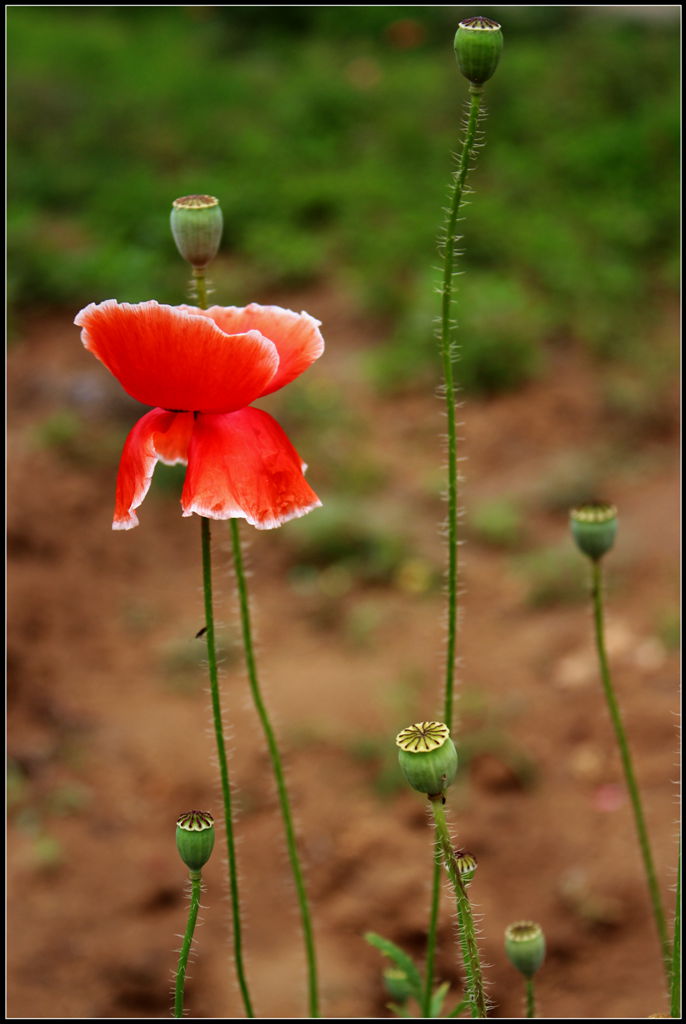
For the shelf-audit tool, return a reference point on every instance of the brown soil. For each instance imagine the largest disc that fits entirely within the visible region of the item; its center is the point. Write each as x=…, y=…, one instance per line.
x=110, y=727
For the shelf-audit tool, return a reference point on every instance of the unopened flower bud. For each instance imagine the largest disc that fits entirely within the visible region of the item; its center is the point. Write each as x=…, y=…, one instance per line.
x=196, y=224
x=195, y=838
x=465, y=862
x=594, y=527
x=397, y=985
x=427, y=757
x=478, y=45
x=525, y=946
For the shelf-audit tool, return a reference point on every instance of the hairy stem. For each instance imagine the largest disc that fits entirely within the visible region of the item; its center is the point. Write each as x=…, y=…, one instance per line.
x=199, y=287
x=530, y=997
x=675, y=988
x=627, y=764
x=277, y=767
x=448, y=355
x=223, y=763
x=196, y=885
x=470, y=949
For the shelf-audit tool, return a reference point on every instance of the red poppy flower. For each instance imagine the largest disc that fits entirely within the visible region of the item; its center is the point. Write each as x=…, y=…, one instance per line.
x=202, y=369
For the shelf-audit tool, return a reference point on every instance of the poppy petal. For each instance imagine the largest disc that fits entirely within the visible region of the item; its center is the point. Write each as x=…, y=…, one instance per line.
x=176, y=359
x=158, y=436
x=295, y=335
x=242, y=465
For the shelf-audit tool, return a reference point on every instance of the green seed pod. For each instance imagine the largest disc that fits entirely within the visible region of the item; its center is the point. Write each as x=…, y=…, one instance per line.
x=427, y=757
x=196, y=224
x=478, y=45
x=195, y=838
x=466, y=864
x=525, y=946
x=397, y=985
x=594, y=527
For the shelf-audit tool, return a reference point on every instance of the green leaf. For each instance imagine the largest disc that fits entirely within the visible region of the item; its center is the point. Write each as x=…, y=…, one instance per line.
x=400, y=959
x=464, y=1005
x=437, y=999
x=399, y=1011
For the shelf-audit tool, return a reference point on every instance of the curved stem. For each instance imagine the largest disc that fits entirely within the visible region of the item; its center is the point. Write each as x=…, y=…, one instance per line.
x=447, y=353
x=470, y=949
x=223, y=763
x=196, y=885
x=277, y=767
x=627, y=764
x=530, y=998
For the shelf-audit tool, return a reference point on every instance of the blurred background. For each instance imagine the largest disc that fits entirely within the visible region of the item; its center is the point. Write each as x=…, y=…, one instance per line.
x=327, y=134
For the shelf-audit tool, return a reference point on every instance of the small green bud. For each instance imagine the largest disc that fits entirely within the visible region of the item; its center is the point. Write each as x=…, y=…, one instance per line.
x=594, y=527
x=397, y=985
x=478, y=45
x=195, y=838
x=466, y=864
x=427, y=757
x=525, y=946
x=196, y=224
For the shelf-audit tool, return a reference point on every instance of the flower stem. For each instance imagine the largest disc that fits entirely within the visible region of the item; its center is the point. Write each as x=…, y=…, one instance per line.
x=199, y=287
x=627, y=764
x=470, y=949
x=448, y=355
x=675, y=988
x=277, y=767
x=223, y=764
x=196, y=885
x=530, y=997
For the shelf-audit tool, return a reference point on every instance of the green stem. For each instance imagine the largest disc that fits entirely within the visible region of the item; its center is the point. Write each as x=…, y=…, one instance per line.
x=470, y=949
x=448, y=355
x=196, y=885
x=629, y=775
x=223, y=764
x=431, y=938
x=277, y=767
x=530, y=997
x=199, y=286
x=675, y=992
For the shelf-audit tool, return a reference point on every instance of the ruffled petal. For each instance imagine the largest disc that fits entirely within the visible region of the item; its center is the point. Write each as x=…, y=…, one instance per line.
x=175, y=358
x=242, y=465
x=158, y=436
x=295, y=335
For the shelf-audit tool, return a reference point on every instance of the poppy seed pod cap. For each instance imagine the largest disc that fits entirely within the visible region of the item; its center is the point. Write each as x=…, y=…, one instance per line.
x=478, y=45
x=195, y=838
x=427, y=757
x=196, y=224
x=594, y=527
x=525, y=946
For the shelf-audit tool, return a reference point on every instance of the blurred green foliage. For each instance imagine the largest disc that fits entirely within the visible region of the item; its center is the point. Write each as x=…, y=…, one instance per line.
x=327, y=132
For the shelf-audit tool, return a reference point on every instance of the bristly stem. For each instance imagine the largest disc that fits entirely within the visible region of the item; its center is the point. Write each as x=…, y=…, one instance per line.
x=196, y=886
x=199, y=287
x=457, y=186
x=277, y=767
x=675, y=989
x=627, y=764
x=470, y=949
x=223, y=763
x=448, y=355
x=530, y=997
